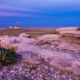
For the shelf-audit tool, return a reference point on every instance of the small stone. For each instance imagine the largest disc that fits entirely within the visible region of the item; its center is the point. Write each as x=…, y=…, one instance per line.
x=22, y=78
x=1, y=78
x=12, y=71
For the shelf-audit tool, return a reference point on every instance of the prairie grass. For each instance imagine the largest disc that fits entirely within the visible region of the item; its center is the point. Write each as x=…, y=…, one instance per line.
x=32, y=32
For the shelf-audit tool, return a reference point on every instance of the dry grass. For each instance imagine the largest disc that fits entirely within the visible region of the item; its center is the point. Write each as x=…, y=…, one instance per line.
x=33, y=32
x=14, y=48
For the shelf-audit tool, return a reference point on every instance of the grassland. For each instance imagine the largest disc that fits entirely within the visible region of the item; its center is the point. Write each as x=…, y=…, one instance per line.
x=33, y=32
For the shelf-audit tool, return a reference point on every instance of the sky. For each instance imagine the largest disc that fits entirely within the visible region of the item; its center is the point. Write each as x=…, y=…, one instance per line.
x=39, y=13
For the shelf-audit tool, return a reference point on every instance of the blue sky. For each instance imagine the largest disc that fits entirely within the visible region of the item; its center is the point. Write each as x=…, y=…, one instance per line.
x=40, y=13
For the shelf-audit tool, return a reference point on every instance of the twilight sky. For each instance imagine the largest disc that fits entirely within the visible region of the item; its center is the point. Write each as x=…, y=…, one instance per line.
x=40, y=13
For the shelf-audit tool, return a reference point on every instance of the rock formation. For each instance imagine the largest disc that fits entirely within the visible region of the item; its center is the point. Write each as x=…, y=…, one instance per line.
x=25, y=35
x=65, y=55
x=48, y=39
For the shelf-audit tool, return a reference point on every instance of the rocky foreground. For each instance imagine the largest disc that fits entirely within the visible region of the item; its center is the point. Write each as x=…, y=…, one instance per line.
x=48, y=57
x=27, y=71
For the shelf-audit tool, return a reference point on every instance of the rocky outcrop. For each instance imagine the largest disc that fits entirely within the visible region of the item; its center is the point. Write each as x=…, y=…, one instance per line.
x=36, y=54
x=69, y=47
x=75, y=34
x=25, y=35
x=67, y=29
x=70, y=34
x=48, y=39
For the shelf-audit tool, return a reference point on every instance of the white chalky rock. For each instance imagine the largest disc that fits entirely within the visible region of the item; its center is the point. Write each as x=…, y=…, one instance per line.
x=24, y=35
x=60, y=59
x=75, y=48
x=15, y=40
x=27, y=40
x=67, y=29
x=49, y=38
x=76, y=66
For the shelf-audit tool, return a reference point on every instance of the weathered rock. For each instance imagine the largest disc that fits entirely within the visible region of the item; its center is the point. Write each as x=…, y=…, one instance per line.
x=25, y=35
x=63, y=29
x=70, y=33
x=47, y=39
x=33, y=53
x=69, y=47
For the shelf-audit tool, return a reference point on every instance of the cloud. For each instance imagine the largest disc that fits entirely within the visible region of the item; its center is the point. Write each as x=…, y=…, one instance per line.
x=8, y=7
x=41, y=4
x=15, y=14
x=8, y=10
x=37, y=7
x=17, y=8
x=47, y=3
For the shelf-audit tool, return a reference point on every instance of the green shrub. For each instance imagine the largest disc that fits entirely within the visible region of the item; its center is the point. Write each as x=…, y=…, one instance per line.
x=7, y=56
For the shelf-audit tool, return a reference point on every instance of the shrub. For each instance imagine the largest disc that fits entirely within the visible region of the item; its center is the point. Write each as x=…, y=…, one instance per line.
x=7, y=56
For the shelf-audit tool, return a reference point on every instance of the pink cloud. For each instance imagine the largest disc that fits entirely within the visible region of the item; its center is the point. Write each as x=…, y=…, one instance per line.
x=14, y=14
x=9, y=7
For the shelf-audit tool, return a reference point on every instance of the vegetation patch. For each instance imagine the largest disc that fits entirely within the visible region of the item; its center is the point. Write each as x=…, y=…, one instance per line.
x=7, y=56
